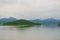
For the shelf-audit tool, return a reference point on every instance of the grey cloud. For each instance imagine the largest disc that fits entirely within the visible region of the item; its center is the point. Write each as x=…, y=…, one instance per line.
x=30, y=8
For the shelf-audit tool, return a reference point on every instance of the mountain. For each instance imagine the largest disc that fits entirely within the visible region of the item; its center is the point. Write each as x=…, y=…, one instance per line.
x=21, y=22
x=51, y=21
x=4, y=20
x=48, y=21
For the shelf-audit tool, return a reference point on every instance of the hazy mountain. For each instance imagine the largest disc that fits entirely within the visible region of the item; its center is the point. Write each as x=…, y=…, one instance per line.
x=47, y=21
x=51, y=21
x=4, y=20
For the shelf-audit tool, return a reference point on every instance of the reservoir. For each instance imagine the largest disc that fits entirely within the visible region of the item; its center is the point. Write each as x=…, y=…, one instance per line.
x=31, y=33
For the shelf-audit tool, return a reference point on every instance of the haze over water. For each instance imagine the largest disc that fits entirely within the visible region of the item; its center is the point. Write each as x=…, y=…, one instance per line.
x=33, y=33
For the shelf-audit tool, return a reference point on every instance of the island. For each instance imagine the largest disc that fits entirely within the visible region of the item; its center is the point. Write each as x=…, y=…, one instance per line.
x=21, y=23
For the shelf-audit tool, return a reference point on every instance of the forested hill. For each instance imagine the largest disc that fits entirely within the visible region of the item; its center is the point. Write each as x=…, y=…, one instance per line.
x=21, y=22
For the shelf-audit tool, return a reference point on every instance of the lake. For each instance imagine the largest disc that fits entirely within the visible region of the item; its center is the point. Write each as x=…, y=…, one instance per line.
x=32, y=33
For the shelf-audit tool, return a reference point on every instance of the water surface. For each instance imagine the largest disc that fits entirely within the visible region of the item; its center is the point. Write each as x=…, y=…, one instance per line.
x=32, y=33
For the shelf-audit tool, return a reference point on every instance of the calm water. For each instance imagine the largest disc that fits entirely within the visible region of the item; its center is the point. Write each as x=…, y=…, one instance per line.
x=33, y=33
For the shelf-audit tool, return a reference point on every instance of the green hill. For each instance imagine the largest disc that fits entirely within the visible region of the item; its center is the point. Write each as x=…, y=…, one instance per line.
x=21, y=22
x=58, y=24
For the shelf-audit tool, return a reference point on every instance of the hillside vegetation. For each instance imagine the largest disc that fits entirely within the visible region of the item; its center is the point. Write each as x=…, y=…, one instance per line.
x=58, y=24
x=21, y=22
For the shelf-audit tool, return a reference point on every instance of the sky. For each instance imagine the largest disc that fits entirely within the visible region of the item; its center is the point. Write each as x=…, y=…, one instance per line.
x=30, y=9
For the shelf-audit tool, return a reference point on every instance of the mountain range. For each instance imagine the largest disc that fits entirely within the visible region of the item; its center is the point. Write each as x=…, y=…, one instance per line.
x=45, y=21
x=48, y=21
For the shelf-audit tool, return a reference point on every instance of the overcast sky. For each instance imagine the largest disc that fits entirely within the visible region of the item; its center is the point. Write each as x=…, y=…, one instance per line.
x=30, y=9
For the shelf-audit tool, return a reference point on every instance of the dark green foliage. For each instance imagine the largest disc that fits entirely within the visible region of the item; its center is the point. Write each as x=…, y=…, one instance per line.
x=59, y=24
x=21, y=22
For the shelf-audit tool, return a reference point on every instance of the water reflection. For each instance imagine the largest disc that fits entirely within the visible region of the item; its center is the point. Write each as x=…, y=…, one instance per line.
x=31, y=33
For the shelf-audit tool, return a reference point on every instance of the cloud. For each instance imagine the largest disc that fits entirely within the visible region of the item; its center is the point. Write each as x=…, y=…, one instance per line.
x=30, y=9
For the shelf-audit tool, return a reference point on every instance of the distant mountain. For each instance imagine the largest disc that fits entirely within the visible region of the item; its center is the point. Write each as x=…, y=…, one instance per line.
x=51, y=21
x=21, y=22
x=47, y=21
x=4, y=20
